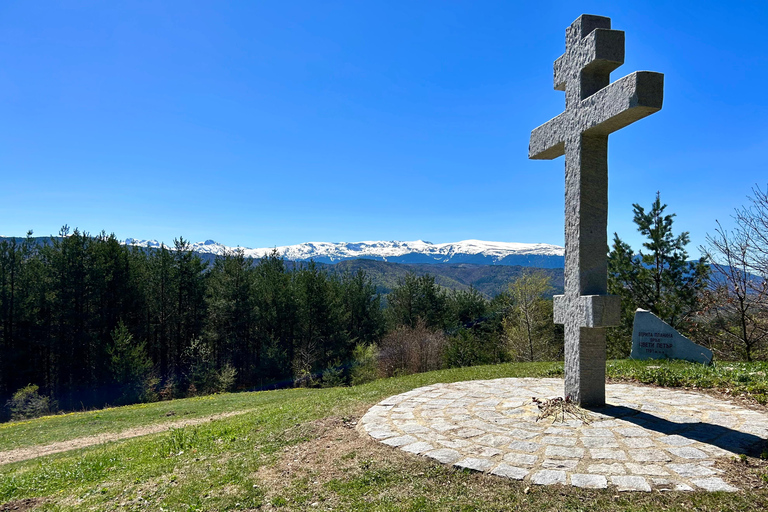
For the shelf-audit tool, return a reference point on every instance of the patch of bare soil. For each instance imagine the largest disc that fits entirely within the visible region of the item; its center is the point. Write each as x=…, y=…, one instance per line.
x=335, y=450
x=21, y=505
x=746, y=473
x=32, y=452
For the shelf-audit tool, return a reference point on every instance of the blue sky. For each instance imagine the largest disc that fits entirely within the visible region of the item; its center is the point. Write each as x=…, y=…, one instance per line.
x=272, y=123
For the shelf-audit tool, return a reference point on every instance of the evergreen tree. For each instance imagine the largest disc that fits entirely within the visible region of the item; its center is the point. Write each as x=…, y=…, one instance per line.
x=466, y=307
x=659, y=279
x=276, y=321
x=418, y=298
x=231, y=318
x=363, y=316
x=129, y=365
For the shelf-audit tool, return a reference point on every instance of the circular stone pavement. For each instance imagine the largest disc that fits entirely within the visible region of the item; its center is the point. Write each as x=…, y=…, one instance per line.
x=645, y=438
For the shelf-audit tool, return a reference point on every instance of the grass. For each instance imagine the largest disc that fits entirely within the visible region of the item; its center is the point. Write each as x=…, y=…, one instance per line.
x=295, y=450
x=735, y=378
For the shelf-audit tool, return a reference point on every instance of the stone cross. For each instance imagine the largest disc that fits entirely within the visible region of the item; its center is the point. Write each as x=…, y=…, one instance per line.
x=594, y=108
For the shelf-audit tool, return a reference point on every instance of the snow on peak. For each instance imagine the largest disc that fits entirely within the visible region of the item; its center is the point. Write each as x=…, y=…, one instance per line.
x=417, y=251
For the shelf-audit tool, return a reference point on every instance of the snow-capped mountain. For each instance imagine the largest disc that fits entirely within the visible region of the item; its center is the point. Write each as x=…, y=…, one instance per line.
x=419, y=251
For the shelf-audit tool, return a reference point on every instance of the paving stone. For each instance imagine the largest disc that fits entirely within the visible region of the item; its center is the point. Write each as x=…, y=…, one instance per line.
x=630, y=483
x=494, y=440
x=690, y=470
x=559, y=440
x=632, y=432
x=475, y=464
x=457, y=444
x=418, y=447
x=481, y=451
x=596, y=432
x=589, y=481
x=649, y=455
x=444, y=455
x=687, y=452
x=548, y=477
x=646, y=469
x=606, y=424
x=564, y=452
x=468, y=432
x=524, y=446
x=508, y=471
x=559, y=463
x=443, y=427
x=599, y=442
x=521, y=459
x=382, y=434
x=413, y=429
x=605, y=453
x=432, y=437
x=560, y=431
x=714, y=484
x=518, y=433
x=638, y=442
x=676, y=440
x=608, y=469
x=400, y=440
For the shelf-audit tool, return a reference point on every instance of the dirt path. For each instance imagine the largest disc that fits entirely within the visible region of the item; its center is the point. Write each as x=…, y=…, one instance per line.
x=32, y=452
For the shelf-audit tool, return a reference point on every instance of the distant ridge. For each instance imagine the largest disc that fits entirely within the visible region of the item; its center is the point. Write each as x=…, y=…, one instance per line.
x=475, y=252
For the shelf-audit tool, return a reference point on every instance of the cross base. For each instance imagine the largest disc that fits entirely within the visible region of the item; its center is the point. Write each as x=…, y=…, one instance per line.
x=585, y=357
x=585, y=319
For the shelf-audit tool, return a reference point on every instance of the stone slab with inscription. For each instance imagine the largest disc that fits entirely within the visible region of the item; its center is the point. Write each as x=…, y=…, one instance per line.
x=652, y=338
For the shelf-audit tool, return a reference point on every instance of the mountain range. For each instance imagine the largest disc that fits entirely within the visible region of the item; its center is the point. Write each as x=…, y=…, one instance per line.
x=474, y=252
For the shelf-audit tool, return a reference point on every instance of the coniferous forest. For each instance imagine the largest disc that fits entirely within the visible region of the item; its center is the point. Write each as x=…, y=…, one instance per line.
x=91, y=322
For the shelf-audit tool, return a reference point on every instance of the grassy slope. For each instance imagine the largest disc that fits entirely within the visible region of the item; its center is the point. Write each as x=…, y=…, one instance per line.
x=263, y=458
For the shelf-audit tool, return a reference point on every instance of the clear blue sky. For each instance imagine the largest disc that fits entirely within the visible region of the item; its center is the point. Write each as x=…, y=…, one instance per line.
x=273, y=123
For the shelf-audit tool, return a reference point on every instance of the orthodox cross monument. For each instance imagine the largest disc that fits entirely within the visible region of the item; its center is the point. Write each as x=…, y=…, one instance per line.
x=594, y=108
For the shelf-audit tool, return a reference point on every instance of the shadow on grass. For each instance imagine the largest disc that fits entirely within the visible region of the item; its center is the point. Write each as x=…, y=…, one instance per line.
x=725, y=438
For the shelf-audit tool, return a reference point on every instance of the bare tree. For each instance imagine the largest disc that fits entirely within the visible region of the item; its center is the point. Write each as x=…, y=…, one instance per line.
x=738, y=295
x=752, y=222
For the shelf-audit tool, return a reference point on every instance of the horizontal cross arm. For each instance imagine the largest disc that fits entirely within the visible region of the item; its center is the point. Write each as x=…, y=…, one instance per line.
x=623, y=102
x=588, y=310
x=548, y=140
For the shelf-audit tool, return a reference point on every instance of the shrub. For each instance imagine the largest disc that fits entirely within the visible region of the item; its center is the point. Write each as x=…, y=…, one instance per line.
x=333, y=375
x=170, y=389
x=470, y=348
x=27, y=403
x=412, y=350
x=364, y=359
x=227, y=378
x=131, y=367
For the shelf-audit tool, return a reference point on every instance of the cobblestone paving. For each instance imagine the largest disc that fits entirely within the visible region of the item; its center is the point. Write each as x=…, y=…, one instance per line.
x=645, y=438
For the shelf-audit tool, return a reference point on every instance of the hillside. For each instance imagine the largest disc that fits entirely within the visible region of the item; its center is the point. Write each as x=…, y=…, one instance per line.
x=297, y=449
x=489, y=280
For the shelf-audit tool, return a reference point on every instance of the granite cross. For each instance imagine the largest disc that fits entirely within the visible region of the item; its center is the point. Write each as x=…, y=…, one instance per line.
x=594, y=108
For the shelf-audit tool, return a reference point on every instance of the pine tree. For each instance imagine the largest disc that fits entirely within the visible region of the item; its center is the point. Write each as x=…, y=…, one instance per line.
x=418, y=298
x=659, y=279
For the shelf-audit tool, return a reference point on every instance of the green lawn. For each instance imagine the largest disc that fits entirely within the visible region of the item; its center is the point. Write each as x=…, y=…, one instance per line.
x=295, y=450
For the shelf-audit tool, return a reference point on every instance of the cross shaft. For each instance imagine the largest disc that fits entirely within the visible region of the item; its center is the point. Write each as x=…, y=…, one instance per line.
x=594, y=108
